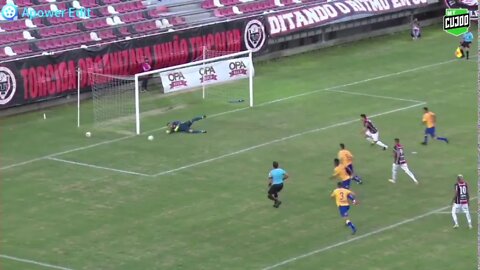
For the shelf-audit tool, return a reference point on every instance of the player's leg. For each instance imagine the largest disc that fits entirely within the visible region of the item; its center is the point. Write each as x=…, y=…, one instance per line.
x=394, y=173
x=466, y=48
x=409, y=173
x=271, y=192
x=145, y=83
x=438, y=138
x=425, y=136
x=344, y=213
x=277, y=190
x=198, y=118
x=346, y=184
x=353, y=175
x=369, y=138
x=190, y=123
x=454, y=215
x=467, y=214
x=377, y=141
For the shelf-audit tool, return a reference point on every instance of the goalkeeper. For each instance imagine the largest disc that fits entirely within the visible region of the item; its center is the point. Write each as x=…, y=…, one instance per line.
x=179, y=126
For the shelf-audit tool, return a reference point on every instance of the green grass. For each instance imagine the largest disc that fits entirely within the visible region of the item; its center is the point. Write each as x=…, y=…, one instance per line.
x=214, y=214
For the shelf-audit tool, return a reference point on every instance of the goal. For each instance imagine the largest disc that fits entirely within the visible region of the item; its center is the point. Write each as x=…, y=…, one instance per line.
x=206, y=75
x=222, y=76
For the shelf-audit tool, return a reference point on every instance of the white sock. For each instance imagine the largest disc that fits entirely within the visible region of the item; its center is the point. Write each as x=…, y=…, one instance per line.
x=454, y=216
x=409, y=173
x=394, y=172
x=381, y=144
x=469, y=218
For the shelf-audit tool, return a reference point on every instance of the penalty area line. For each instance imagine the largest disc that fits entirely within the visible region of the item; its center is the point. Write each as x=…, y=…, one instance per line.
x=97, y=167
x=393, y=226
x=47, y=265
x=281, y=140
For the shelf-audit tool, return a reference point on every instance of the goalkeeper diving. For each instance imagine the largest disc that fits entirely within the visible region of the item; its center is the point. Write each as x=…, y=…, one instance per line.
x=179, y=126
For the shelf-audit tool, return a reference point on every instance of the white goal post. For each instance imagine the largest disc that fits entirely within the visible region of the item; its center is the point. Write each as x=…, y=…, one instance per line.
x=204, y=62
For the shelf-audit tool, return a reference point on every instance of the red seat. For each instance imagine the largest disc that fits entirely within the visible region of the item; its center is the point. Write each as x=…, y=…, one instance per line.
x=108, y=2
x=14, y=25
x=24, y=3
x=21, y=48
x=95, y=24
x=177, y=21
x=208, y=4
x=124, y=31
x=106, y=34
x=104, y=11
x=89, y=3
x=138, y=5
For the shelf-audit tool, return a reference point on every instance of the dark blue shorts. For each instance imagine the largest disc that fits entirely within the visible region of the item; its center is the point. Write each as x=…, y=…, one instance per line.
x=349, y=169
x=430, y=131
x=346, y=184
x=343, y=210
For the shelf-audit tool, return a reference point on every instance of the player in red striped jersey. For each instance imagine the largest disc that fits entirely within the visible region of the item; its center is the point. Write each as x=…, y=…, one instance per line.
x=371, y=132
x=461, y=201
x=399, y=161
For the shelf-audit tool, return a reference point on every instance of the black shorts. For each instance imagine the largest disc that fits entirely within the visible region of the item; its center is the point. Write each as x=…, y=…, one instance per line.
x=275, y=188
x=466, y=44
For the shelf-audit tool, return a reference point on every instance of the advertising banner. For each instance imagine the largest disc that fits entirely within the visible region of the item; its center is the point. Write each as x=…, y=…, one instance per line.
x=287, y=22
x=204, y=74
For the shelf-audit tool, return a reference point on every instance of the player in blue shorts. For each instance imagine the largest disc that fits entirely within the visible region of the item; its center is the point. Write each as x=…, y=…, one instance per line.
x=179, y=126
x=342, y=198
x=430, y=119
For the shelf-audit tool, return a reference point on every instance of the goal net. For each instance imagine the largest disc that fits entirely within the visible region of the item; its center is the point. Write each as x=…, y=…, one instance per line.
x=216, y=80
x=113, y=98
x=233, y=93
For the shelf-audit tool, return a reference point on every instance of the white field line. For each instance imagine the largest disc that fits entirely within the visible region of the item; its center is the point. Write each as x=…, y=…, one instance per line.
x=320, y=250
x=281, y=140
x=374, y=96
x=96, y=166
x=51, y=266
x=233, y=111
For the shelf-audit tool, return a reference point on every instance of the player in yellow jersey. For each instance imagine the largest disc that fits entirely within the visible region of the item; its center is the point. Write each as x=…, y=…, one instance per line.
x=340, y=173
x=343, y=197
x=430, y=119
x=346, y=160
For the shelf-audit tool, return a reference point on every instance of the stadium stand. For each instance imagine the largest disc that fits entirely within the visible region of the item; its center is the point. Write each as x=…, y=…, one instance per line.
x=116, y=20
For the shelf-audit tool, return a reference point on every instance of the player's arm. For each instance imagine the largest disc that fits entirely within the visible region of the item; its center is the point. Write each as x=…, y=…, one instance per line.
x=351, y=197
x=454, y=194
x=348, y=170
x=270, y=179
x=335, y=174
x=285, y=176
x=468, y=197
x=434, y=119
x=333, y=195
x=395, y=156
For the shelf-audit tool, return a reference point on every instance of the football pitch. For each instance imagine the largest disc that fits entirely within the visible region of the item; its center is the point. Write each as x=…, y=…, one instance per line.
x=198, y=201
